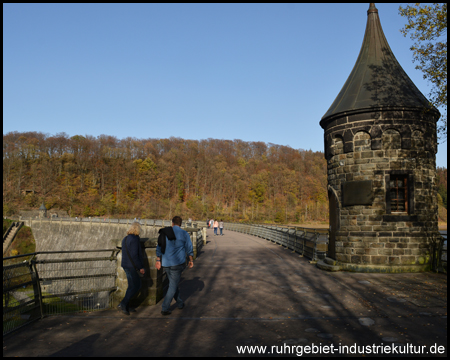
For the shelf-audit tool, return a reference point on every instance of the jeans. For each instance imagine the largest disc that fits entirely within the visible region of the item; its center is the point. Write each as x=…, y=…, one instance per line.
x=221, y=229
x=134, y=285
x=174, y=276
x=215, y=231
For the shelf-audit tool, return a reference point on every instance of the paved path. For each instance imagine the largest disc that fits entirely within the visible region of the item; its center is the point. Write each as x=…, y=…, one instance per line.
x=246, y=291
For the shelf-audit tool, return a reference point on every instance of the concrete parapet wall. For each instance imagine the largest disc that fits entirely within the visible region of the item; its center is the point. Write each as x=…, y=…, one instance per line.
x=63, y=235
x=77, y=235
x=152, y=283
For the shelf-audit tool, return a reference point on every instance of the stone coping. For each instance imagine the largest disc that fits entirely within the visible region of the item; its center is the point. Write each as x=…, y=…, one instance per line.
x=386, y=269
x=147, y=242
x=150, y=242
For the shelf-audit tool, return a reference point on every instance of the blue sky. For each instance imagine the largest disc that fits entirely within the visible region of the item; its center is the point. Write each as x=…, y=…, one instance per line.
x=255, y=72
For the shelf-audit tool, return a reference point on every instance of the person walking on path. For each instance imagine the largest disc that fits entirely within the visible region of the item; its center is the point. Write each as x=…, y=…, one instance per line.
x=221, y=227
x=174, y=262
x=132, y=243
x=216, y=225
x=211, y=223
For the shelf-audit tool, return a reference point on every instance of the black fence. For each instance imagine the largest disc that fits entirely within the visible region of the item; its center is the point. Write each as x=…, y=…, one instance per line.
x=56, y=282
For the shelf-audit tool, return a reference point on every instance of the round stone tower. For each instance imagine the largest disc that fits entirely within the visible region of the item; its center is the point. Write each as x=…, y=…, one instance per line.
x=380, y=146
x=43, y=211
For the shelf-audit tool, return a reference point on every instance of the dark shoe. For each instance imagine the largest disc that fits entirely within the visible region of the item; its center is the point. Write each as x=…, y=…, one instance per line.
x=132, y=310
x=181, y=307
x=121, y=308
x=166, y=312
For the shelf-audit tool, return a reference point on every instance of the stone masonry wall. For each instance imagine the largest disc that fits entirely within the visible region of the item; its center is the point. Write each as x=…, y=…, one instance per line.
x=377, y=146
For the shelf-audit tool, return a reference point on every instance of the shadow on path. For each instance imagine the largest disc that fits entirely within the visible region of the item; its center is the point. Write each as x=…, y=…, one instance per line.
x=246, y=291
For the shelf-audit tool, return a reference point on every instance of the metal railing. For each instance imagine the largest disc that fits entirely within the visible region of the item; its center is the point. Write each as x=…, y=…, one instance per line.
x=10, y=235
x=56, y=282
x=5, y=235
x=312, y=243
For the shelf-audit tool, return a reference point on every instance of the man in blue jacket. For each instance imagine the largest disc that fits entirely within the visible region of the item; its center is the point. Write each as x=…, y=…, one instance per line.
x=174, y=262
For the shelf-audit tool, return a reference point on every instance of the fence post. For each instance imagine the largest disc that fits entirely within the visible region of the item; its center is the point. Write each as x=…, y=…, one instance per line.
x=295, y=239
x=194, y=243
x=303, y=247
x=37, y=287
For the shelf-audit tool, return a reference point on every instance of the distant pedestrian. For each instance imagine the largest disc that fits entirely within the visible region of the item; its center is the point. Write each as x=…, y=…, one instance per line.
x=211, y=223
x=221, y=227
x=174, y=262
x=132, y=260
x=216, y=225
x=207, y=223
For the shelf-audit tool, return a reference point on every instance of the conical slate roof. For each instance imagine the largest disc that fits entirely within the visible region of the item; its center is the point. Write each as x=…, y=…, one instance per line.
x=42, y=207
x=377, y=79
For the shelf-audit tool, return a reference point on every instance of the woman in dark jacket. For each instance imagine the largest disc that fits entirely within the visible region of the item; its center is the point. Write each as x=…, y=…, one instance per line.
x=133, y=245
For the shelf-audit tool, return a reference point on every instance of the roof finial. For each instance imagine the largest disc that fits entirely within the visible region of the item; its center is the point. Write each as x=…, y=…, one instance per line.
x=372, y=9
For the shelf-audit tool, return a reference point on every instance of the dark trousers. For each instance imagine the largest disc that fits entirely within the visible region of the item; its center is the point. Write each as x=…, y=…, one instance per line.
x=134, y=285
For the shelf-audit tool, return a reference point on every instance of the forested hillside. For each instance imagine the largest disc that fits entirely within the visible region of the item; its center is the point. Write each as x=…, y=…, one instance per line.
x=158, y=178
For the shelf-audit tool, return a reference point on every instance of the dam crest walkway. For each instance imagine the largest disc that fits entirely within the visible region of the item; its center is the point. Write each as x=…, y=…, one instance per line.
x=247, y=291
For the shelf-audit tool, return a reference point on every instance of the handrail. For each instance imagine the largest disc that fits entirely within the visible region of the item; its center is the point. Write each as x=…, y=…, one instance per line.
x=312, y=243
x=5, y=235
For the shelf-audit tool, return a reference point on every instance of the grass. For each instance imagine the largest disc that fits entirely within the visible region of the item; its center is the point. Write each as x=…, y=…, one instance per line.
x=56, y=305
x=23, y=243
x=14, y=319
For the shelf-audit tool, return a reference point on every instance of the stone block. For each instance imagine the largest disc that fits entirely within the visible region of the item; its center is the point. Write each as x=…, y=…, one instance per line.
x=396, y=165
x=379, y=260
x=374, y=220
x=348, y=251
x=385, y=251
x=379, y=154
x=343, y=258
x=394, y=260
x=371, y=251
x=362, y=161
x=385, y=233
x=366, y=228
x=408, y=260
x=382, y=166
x=401, y=245
x=391, y=153
x=366, y=154
x=353, y=228
x=413, y=245
x=377, y=245
x=416, y=251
